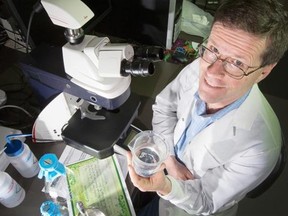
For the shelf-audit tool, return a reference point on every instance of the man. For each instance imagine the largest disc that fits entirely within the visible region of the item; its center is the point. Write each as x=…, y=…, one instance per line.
x=225, y=138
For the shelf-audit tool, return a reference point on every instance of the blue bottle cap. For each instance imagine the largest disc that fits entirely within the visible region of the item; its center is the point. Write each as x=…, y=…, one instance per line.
x=49, y=208
x=14, y=147
x=50, y=167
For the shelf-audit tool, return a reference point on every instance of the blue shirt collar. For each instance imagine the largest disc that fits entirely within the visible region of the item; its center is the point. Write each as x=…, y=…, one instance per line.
x=201, y=107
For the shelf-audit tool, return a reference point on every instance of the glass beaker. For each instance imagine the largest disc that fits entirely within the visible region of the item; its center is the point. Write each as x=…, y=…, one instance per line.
x=149, y=150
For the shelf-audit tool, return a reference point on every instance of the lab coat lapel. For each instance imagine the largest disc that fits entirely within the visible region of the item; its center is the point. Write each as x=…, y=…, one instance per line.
x=183, y=123
x=219, y=138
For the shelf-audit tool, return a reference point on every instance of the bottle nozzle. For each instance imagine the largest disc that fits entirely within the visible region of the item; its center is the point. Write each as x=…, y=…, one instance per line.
x=10, y=136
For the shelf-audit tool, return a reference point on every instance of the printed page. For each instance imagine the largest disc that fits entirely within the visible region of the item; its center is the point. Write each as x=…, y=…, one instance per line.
x=99, y=184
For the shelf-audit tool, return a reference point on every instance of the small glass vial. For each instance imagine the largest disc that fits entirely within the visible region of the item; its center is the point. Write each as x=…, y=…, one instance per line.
x=11, y=193
x=22, y=158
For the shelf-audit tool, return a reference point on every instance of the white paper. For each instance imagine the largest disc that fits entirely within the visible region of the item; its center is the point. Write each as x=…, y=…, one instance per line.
x=71, y=155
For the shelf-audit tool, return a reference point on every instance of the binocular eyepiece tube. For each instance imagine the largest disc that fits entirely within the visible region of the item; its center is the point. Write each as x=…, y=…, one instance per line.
x=149, y=52
x=141, y=68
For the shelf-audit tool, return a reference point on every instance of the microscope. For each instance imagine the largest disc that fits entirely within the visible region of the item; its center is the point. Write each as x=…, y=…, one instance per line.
x=96, y=105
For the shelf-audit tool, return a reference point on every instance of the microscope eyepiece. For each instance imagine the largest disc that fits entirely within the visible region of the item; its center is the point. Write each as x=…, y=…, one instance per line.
x=137, y=68
x=149, y=52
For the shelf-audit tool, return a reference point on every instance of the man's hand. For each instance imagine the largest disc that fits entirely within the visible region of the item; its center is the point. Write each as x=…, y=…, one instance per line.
x=177, y=170
x=157, y=182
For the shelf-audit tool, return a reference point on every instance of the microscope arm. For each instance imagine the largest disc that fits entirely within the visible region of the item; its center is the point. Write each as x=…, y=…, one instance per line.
x=93, y=63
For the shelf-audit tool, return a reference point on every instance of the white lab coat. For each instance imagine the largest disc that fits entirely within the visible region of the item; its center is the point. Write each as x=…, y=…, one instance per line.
x=228, y=158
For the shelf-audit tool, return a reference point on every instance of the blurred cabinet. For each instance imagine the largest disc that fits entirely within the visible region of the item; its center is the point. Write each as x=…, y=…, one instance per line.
x=150, y=22
x=207, y=5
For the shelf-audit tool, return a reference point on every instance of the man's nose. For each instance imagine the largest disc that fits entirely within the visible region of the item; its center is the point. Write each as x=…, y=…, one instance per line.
x=216, y=68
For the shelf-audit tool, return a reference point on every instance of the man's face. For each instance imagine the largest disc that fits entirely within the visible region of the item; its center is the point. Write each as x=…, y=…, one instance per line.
x=216, y=87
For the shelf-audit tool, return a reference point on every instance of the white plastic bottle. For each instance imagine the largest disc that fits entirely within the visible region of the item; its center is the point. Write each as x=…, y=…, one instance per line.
x=11, y=193
x=22, y=158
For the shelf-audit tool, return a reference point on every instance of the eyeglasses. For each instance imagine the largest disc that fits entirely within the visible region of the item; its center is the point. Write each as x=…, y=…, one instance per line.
x=233, y=67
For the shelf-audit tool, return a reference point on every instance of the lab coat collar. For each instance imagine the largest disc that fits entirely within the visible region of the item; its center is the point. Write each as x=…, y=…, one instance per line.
x=223, y=131
x=244, y=111
x=248, y=110
x=252, y=102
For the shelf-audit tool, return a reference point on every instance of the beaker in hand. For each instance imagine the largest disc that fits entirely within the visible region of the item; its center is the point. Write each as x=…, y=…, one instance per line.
x=149, y=150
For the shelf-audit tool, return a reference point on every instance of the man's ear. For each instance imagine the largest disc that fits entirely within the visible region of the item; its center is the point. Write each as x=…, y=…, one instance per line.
x=266, y=70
